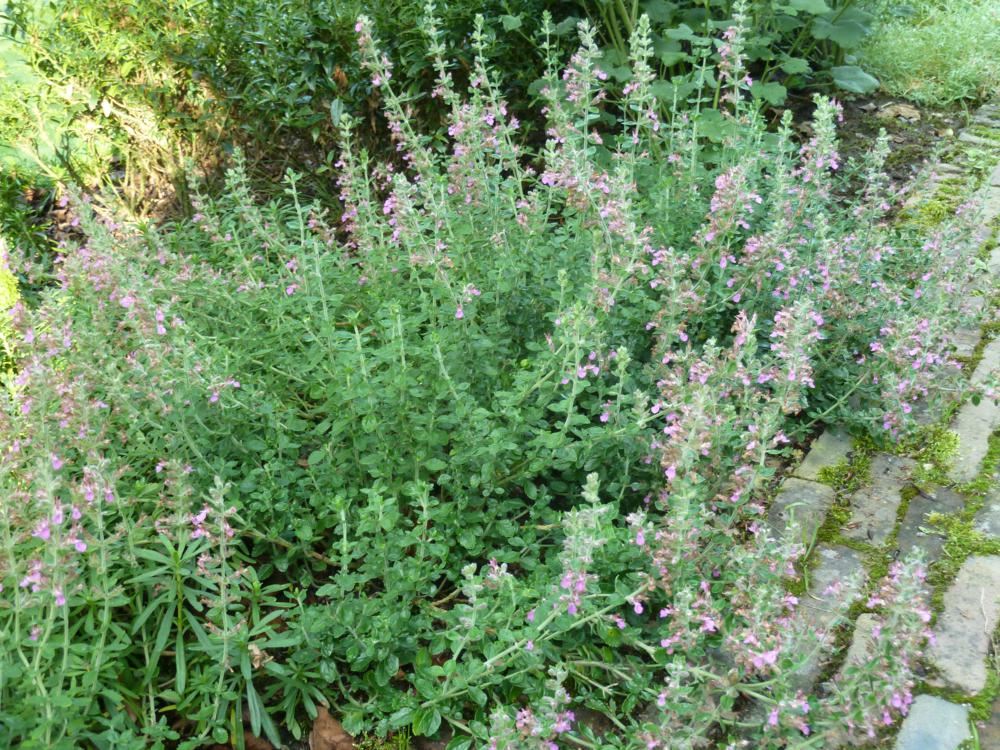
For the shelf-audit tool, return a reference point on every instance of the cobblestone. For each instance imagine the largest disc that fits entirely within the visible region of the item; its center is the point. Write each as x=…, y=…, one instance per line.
x=934, y=724
x=875, y=505
x=913, y=532
x=962, y=633
x=988, y=518
x=976, y=422
x=829, y=449
x=805, y=501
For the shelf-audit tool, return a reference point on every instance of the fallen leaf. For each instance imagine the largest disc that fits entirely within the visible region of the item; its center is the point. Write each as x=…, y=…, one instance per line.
x=258, y=657
x=328, y=734
x=902, y=111
x=250, y=742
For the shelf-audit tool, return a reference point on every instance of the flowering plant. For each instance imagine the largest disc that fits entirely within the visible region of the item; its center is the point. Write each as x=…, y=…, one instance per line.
x=283, y=452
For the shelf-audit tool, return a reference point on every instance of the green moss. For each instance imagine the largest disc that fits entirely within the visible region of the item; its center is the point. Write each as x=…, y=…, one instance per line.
x=962, y=540
x=933, y=447
x=846, y=476
x=400, y=741
x=980, y=705
x=984, y=480
x=981, y=131
x=939, y=207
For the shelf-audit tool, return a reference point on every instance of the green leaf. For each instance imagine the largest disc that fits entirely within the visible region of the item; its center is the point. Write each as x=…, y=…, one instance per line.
x=845, y=33
x=772, y=93
x=659, y=11
x=426, y=722
x=795, y=66
x=814, y=7
x=565, y=26
x=162, y=634
x=681, y=33
x=401, y=718
x=181, y=664
x=510, y=23
x=435, y=464
x=854, y=79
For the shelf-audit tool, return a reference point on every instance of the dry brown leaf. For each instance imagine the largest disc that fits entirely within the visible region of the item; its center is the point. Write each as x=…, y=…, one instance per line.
x=328, y=734
x=258, y=657
x=902, y=111
x=255, y=743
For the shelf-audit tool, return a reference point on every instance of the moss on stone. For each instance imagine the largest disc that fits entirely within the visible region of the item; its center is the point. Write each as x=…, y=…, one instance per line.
x=399, y=741
x=980, y=704
x=938, y=208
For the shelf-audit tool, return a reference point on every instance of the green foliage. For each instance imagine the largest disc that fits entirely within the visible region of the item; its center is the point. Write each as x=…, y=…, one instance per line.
x=485, y=442
x=788, y=45
x=937, y=52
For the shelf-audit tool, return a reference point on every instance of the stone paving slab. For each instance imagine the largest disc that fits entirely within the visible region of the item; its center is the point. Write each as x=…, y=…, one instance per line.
x=834, y=584
x=989, y=730
x=875, y=505
x=991, y=206
x=987, y=520
x=913, y=533
x=976, y=422
x=965, y=341
x=963, y=631
x=862, y=647
x=934, y=724
x=995, y=176
x=975, y=140
x=805, y=501
x=829, y=449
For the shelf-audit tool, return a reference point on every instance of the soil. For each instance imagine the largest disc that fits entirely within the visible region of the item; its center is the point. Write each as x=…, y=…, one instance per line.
x=914, y=131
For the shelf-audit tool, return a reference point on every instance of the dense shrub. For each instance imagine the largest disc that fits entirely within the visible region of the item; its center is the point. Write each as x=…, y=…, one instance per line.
x=486, y=443
x=923, y=51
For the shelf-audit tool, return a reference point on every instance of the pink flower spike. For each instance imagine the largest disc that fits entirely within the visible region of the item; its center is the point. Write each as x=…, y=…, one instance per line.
x=56, y=462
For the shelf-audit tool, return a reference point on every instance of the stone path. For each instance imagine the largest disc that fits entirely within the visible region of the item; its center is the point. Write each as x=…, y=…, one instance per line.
x=963, y=655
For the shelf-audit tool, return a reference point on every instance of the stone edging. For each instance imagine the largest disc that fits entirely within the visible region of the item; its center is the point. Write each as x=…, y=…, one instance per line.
x=970, y=610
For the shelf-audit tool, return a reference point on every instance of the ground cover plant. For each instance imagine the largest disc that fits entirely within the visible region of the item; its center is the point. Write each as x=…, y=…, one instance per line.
x=480, y=448
x=922, y=50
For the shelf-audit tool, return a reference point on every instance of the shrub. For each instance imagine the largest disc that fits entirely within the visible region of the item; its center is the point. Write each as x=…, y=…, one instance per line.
x=483, y=445
x=938, y=53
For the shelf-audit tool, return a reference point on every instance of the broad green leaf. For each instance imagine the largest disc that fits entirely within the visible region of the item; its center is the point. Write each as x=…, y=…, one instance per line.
x=795, y=66
x=845, y=33
x=772, y=93
x=659, y=11
x=681, y=33
x=814, y=7
x=510, y=23
x=854, y=79
x=435, y=464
